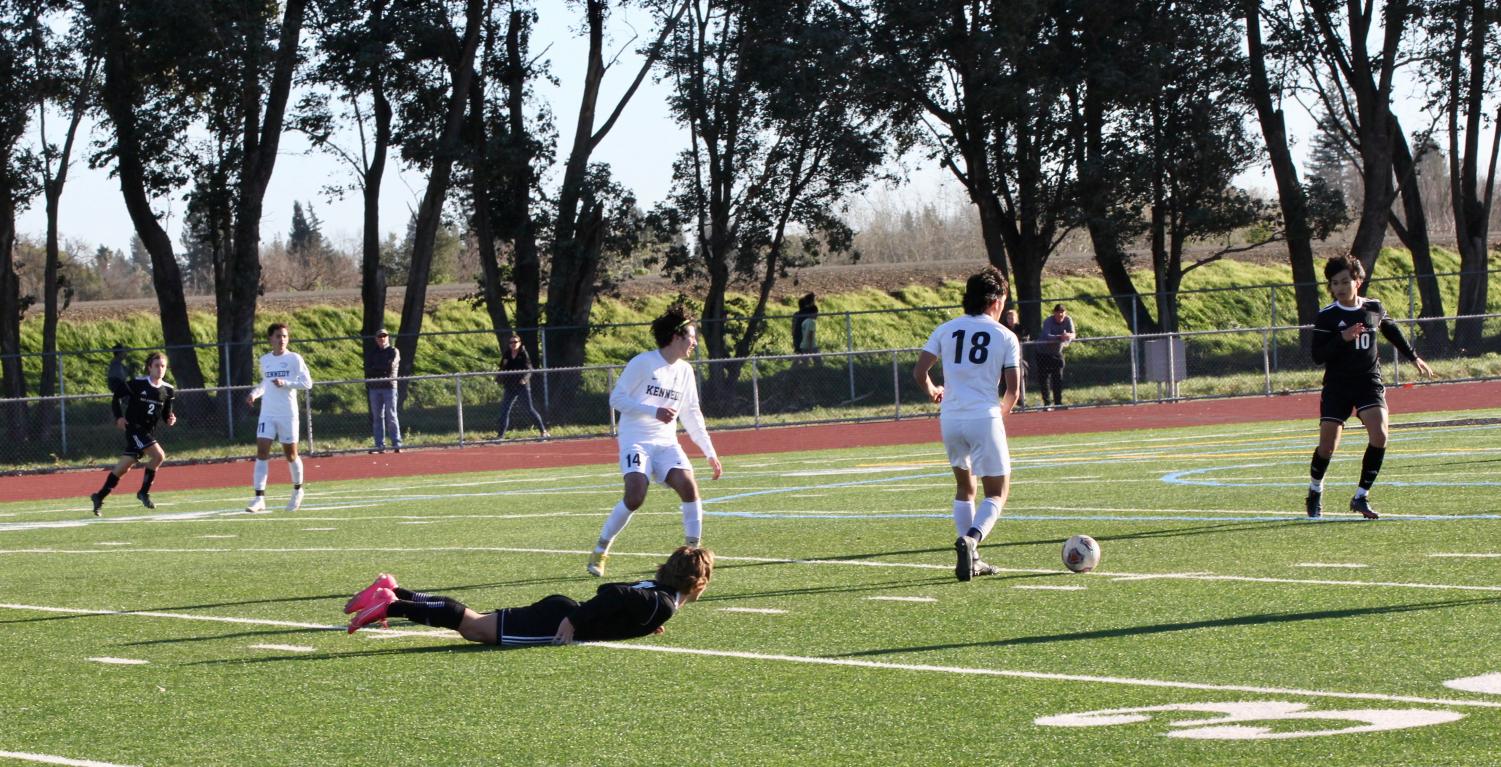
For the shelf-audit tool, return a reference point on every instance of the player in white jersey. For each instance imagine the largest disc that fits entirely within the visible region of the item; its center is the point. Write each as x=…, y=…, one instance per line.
x=656, y=389
x=282, y=373
x=976, y=352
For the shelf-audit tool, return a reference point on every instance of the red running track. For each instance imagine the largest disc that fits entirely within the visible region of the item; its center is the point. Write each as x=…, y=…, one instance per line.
x=537, y=455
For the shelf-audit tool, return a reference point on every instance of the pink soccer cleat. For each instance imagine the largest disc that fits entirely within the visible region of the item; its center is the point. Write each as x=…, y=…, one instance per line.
x=374, y=611
x=358, y=602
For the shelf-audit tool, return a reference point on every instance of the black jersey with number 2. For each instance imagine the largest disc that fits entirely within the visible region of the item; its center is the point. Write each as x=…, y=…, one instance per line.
x=144, y=403
x=1354, y=361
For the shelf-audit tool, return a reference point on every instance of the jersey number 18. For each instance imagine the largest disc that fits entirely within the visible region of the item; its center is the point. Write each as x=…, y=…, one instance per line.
x=979, y=347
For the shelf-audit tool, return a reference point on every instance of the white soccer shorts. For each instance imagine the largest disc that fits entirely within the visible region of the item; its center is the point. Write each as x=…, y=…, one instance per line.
x=652, y=459
x=977, y=445
x=283, y=430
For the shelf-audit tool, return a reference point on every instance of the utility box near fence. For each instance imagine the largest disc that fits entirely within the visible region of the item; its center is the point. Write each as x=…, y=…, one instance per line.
x=1165, y=360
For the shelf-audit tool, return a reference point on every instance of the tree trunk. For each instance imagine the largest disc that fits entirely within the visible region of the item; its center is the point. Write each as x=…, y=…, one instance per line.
x=430, y=212
x=166, y=279
x=1414, y=235
x=526, y=262
x=12, y=377
x=372, y=272
x=484, y=231
x=1290, y=196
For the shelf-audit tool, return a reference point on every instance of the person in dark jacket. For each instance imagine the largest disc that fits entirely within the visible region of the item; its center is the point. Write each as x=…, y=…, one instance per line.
x=805, y=325
x=516, y=376
x=119, y=369
x=381, y=365
x=617, y=610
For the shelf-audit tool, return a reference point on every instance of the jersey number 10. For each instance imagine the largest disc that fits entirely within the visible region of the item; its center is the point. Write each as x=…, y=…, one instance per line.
x=979, y=347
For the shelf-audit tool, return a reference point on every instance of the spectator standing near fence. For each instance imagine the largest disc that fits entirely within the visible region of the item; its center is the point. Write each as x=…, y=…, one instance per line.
x=381, y=365
x=1011, y=322
x=137, y=406
x=657, y=388
x=805, y=325
x=516, y=378
x=1056, y=334
x=282, y=373
x=119, y=369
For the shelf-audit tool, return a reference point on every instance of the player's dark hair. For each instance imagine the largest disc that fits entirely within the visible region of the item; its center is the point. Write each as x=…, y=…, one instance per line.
x=152, y=357
x=674, y=321
x=983, y=288
x=1346, y=263
x=687, y=569
x=275, y=326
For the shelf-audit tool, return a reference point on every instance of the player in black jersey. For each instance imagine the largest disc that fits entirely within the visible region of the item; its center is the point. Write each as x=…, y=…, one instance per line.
x=617, y=610
x=138, y=404
x=1344, y=341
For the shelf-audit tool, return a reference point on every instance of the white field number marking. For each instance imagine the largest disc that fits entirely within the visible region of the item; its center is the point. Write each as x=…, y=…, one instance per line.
x=120, y=661
x=1486, y=683
x=1232, y=722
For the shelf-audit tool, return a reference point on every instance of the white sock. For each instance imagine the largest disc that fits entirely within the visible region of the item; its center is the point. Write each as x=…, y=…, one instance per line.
x=989, y=514
x=262, y=468
x=296, y=467
x=964, y=516
x=619, y=517
x=1316, y=486
x=693, y=521
x=1360, y=492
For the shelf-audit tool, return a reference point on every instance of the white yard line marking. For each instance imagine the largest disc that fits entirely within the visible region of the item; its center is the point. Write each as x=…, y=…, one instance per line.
x=1113, y=576
x=1473, y=556
x=119, y=661
x=1051, y=588
x=50, y=759
x=216, y=536
x=1348, y=565
x=114, y=543
x=284, y=647
x=902, y=599
x=756, y=610
x=318, y=529
x=1046, y=676
x=847, y=662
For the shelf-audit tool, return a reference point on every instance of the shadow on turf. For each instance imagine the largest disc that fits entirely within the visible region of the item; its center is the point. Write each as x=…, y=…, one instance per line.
x=1164, y=628
x=333, y=598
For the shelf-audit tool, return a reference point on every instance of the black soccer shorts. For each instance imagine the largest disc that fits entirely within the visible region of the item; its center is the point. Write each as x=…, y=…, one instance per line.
x=136, y=442
x=535, y=624
x=1339, y=400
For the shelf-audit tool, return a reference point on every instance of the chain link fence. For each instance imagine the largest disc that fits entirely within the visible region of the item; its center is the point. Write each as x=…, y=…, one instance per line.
x=464, y=408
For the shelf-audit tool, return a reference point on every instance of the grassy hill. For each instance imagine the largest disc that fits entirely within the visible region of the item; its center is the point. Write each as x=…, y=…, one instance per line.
x=456, y=335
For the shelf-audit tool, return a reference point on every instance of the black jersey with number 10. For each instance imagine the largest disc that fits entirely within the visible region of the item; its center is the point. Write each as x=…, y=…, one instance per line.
x=1355, y=360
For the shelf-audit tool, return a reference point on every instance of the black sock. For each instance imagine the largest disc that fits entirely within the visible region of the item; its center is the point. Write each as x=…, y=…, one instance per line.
x=260, y=493
x=415, y=596
x=1370, y=465
x=146, y=483
x=1319, y=465
x=974, y=532
x=109, y=484
x=447, y=613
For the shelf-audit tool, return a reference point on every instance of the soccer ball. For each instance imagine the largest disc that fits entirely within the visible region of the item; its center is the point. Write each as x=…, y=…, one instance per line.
x=1081, y=553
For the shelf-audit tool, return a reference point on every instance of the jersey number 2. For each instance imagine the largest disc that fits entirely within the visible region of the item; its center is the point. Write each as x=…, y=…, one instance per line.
x=979, y=347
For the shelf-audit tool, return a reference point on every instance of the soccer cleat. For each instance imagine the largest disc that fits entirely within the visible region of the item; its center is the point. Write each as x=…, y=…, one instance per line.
x=964, y=551
x=145, y=499
x=597, y=563
x=373, y=612
x=98, y=502
x=981, y=567
x=363, y=599
x=259, y=504
x=1314, y=504
x=1361, y=505
x=295, y=502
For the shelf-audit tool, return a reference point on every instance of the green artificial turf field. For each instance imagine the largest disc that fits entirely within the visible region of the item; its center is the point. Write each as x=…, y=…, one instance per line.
x=1232, y=630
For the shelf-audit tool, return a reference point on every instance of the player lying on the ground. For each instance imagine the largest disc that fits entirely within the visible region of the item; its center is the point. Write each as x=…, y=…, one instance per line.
x=1344, y=341
x=617, y=611
x=146, y=399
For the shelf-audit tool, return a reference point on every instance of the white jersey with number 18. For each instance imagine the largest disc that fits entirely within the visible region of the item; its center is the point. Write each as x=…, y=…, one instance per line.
x=974, y=350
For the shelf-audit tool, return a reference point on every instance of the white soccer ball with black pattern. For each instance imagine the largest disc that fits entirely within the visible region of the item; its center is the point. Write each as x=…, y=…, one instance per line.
x=1081, y=553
